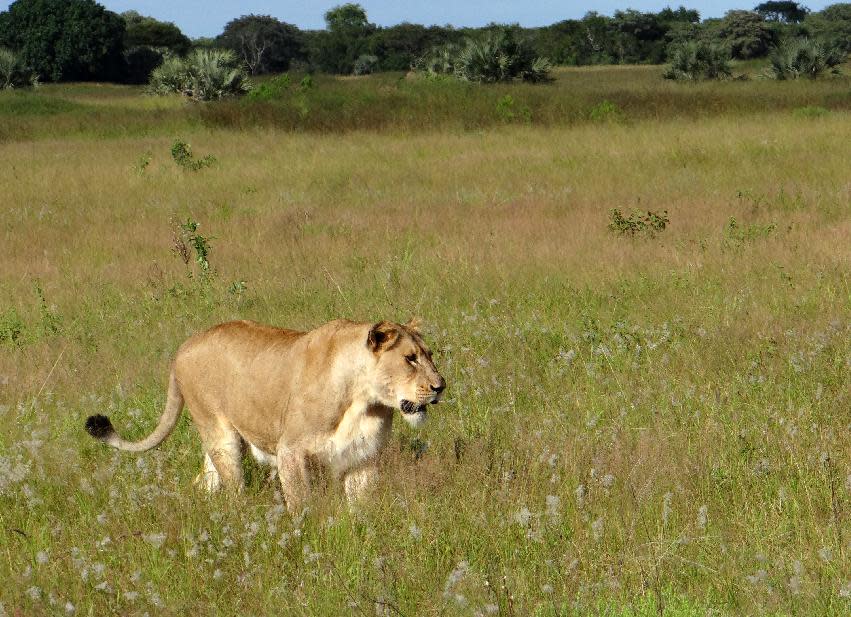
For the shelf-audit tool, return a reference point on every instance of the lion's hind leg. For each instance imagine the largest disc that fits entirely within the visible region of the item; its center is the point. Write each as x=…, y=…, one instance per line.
x=222, y=460
x=209, y=478
x=267, y=460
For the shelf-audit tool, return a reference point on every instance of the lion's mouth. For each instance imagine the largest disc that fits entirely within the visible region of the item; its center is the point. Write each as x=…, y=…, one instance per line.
x=409, y=407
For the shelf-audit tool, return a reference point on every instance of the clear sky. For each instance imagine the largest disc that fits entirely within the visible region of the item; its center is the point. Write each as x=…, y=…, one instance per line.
x=208, y=17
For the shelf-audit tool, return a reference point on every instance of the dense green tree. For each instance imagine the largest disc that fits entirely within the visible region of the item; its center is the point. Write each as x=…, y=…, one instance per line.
x=832, y=25
x=65, y=39
x=140, y=62
x=150, y=32
x=563, y=42
x=782, y=11
x=146, y=40
x=263, y=43
x=344, y=40
x=398, y=47
x=746, y=34
x=681, y=15
x=639, y=37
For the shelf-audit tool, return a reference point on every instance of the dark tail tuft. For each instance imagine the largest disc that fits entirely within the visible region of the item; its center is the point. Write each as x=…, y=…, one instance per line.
x=99, y=427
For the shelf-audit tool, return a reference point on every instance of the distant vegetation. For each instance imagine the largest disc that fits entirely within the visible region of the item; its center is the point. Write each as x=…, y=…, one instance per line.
x=204, y=75
x=69, y=40
x=804, y=58
x=695, y=60
x=495, y=56
x=13, y=72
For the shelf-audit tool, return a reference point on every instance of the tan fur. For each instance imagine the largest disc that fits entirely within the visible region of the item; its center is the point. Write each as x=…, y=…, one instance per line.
x=300, y=399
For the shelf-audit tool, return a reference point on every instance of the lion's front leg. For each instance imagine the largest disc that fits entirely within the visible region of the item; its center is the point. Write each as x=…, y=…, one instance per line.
x=358, y=482
x=294, y=473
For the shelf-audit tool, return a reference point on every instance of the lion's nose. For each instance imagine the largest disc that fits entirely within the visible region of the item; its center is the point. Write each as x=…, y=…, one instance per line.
x=437, y=389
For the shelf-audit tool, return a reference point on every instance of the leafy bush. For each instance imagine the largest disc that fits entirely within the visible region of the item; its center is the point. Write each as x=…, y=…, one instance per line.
x=606, y=111
x=497, y=56
x=11, y=328
x=187, y=241
x=638, y=223
x=695, y=60
x=181, y=152
x=272, y=89
x=365, y=65
x=538, y=72
x=206, y=74
x=736, y=235
x=170, y=76
x=440, y=61
x=13, y=73
x=507, y=111
x=214, y=74
x=804, y=58
x=810, y=111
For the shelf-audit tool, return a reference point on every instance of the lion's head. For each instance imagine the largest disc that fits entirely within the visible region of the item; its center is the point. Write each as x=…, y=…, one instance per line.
x=405, y=374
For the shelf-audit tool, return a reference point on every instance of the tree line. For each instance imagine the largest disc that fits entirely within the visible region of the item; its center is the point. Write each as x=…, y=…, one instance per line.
x=64, y=40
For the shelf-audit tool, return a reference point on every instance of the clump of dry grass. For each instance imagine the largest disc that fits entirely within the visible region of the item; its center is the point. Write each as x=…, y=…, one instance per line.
x=632, y=424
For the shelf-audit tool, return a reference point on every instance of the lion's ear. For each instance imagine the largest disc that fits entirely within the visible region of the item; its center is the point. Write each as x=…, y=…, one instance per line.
x=382, y=335
x=414, y=324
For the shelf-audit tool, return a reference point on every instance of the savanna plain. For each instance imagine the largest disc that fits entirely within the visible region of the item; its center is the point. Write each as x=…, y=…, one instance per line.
x=645, y=415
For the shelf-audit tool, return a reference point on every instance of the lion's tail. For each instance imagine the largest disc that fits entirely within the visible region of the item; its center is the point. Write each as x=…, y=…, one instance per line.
x=101, y=428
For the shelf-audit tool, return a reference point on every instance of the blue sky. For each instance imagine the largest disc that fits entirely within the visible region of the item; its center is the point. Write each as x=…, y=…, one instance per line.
x=208, y=17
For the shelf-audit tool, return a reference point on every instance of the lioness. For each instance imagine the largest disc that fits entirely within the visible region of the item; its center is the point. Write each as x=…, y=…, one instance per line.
x=298, y=399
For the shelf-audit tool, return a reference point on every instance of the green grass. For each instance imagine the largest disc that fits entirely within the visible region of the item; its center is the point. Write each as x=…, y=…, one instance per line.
x=633, y=426
x=393, y=102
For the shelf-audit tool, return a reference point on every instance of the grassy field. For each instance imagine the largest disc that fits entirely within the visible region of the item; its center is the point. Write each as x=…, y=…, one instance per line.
x=634, y=425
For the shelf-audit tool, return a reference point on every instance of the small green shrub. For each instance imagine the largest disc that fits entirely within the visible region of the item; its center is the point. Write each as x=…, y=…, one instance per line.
x=272, y=89
x=237, y=288
x=737, y=235
x=507, y=111
x=13, y=73
x=539, y=71
x=439, y=62
x=804, y=58
x=11, y=328
x=204, y=75
x=142, y=164
x=181, y=152
x=188, y=243
x=50, y=321
x=606, y=111
x=696, y=60
x=365, y=65
x=646, y=224
x=810, y=111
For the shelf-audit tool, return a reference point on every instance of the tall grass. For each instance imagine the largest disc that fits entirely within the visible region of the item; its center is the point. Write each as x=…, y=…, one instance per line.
x=391, y=103
x=633, y=425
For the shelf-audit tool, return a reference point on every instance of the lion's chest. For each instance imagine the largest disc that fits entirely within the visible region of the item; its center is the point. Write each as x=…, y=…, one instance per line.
x=358, y=438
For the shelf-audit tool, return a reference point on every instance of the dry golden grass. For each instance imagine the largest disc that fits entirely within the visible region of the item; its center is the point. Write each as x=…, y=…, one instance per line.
x=632, y=423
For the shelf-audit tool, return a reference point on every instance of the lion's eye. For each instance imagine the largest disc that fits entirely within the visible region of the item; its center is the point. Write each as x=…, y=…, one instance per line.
x=411, y=358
